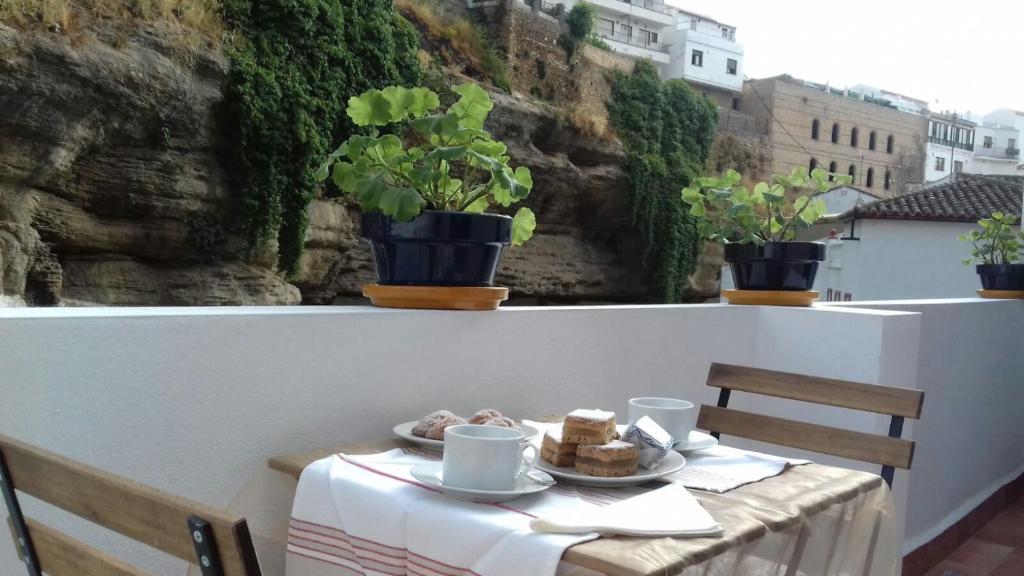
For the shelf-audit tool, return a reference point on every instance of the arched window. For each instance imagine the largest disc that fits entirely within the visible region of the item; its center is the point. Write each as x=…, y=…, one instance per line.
x=889, y=144
x=853, y=173
x=888, y=180
x=869, y=179
x=872, y=140
x=832, y=167
x=815, y=126
x=835, y=133
x=853, y=137
x=812, y=165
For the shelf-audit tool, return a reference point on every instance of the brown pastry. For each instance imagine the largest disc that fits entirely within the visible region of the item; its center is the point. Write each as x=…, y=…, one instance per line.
x=436, y=431
x=589, y=427
x=614, y=459
x=555, y=451
x=503, y=421
x=484, y=415
x=428, y=421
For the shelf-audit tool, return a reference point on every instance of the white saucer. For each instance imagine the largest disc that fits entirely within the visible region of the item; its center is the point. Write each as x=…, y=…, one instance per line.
x=673, y=462
x=697, y=441
x=404, y=430
x=430, y=473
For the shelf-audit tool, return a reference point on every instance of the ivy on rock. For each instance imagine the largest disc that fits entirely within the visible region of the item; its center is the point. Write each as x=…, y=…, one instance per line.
x=294, y=65
x=667, y=130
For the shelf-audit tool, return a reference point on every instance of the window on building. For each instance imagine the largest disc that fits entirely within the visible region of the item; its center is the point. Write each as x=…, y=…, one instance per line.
x=853, y=173
x=725, y=32
x=1011, y=144
x=958, y=166
x=626, y=30
x=869, y=178
x=730, y=66
x=693, y=24
x=888, y=180
x=854, y=134
x=987, y=142
x=940, y=163
x=832, y=167
x=697, y=58
x=815, y=126
x=606, y=26
x=890, y=143
x=812, y=165
x=872, y=140
x=648, y=38
x=835, y=133
x=736, y=104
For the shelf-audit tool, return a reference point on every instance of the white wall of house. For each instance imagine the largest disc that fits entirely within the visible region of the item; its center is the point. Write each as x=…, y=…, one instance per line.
x=898, y=259
x=639, y=29
x=934, y=152
x=839, y=200
x=720, y=61
x=195, y=400
x=997, y=151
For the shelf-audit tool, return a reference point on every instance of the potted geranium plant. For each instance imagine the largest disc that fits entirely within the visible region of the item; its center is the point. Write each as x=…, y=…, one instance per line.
x=425, y=184
x=996, y=248
x=758, y=225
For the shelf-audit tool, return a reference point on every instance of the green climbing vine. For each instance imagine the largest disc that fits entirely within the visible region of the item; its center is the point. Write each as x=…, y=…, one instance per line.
x=294, y=65
x=667, y=130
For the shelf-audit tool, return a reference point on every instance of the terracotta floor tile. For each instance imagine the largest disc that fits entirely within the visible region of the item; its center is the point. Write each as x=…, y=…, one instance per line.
x=1012, y=565
x=979, y=557
x=948, y=568
x=1005, y=529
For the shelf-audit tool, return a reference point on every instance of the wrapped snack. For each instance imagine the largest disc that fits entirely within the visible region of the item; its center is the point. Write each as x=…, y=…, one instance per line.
x=651, y=439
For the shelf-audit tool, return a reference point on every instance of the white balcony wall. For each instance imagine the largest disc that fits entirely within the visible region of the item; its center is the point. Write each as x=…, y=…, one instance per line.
x=715, y=50
x=653, y=12
x=195, y=400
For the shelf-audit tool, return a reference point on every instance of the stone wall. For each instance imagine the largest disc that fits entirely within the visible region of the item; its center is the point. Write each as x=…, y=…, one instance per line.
x=796, y=107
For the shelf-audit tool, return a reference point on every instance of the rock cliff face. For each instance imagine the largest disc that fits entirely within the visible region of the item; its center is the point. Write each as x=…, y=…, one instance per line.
x=113, y=191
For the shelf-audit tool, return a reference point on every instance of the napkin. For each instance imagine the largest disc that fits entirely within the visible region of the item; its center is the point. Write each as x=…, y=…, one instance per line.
x=721, y=468
x=667, y=511
x=368, y=515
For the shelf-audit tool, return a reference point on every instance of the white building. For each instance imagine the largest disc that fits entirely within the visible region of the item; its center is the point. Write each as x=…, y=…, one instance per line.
x=902, y=102
x=637, y=28
x=908, y=246
x=997, y=151
x=951, y=145
x=704, y=52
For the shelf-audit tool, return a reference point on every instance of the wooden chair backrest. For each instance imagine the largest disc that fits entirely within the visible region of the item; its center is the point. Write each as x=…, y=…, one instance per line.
x=153, y=517
x=888, y=451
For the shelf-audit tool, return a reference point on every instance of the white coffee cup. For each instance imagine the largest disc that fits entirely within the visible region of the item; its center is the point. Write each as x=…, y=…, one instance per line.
x=485, y=457
x=677, y=417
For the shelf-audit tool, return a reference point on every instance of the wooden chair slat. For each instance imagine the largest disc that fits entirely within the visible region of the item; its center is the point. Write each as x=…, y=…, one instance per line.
x=60, y=555
x=889, y=400
x=816, y=438
x=142, y=513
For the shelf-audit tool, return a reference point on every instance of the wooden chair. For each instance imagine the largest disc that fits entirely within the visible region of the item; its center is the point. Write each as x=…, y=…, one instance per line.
x=217, y=542
x=890, y=451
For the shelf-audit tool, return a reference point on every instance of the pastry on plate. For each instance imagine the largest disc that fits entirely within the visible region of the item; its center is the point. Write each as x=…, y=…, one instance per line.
x=427, y=422
x=555, y=451
x=611, y=460
x=482, y=416
x=589, y=427
x=436, y=432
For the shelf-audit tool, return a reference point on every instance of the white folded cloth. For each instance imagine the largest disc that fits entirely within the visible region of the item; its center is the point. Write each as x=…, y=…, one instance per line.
x=666, y=511
x=367, y=516
x=717, y=469
x=721, y=468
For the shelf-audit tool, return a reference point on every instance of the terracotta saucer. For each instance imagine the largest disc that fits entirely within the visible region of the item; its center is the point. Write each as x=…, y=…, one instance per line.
x=436, y=297
x=772, y=297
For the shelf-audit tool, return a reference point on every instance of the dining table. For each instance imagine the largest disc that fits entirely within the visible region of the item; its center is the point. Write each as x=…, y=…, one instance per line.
x=811, y=520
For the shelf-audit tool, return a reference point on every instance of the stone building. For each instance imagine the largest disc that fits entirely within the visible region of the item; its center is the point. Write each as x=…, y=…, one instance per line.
x=813, y=126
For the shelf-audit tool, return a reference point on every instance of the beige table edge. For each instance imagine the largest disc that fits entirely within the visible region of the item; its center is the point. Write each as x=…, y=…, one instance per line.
x=593, y=554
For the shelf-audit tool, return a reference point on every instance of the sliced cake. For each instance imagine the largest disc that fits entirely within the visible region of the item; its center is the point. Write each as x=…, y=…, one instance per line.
x=555, y=451
x=589, y=427
x=614, y=459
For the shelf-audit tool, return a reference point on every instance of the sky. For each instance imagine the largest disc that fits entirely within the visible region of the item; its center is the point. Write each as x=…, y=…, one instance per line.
x=963, y=56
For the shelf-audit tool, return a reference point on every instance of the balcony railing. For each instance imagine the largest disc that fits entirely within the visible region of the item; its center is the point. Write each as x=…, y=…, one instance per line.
x=950, y=143
x=650, y=5
x=633, y=39
x=1008, y=153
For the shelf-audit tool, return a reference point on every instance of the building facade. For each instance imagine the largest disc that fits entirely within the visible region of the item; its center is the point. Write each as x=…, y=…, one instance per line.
x=635, y=28
x=813, y=126
x=951, y=145
x=704, y=52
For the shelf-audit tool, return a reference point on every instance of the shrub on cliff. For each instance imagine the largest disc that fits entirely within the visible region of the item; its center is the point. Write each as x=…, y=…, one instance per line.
x=295, y=63
x=667, y=129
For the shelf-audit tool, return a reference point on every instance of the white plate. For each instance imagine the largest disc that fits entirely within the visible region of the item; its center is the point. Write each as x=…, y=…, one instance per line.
x=404, y=430
x=697, y=441
x=430, y=473
x=673, y=462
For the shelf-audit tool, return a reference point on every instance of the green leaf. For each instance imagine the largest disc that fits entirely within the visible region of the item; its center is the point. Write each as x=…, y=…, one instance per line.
x=479, y=205
x=524, y=179
x=446, y=153
x=437, y=124
x=371, y=108
x=691, y=195
x=473, y=107
x=523, y=225
x=402, y=204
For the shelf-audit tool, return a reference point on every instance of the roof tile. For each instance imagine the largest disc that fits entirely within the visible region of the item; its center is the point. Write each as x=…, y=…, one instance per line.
x=968, y=199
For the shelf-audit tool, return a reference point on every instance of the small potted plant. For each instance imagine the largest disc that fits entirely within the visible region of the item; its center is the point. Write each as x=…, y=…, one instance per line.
x=757, y=226
x=996, y=248
x=425, y=184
